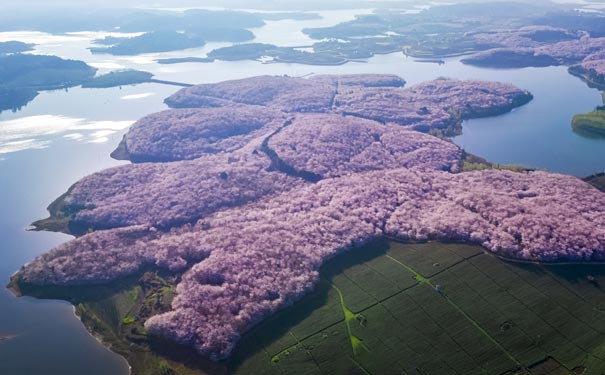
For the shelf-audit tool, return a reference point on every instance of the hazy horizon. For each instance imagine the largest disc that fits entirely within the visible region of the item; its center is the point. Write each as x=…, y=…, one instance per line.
x=279, y=5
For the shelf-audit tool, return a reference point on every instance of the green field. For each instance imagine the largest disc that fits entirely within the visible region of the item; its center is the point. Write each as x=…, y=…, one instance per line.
x=384, y=316
x=392, y=308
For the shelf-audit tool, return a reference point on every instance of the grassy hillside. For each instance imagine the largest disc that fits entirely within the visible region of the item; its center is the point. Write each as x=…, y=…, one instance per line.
x=592, y=123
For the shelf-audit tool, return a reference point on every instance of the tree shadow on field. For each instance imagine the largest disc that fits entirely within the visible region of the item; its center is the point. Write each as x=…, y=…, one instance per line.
x=279, y=324
x=578, y=274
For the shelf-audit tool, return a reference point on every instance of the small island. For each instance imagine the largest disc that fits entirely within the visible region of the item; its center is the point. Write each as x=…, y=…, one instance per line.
x=12, y=47
x=510, y=59
x=22, y=76
x=152, y=42
x=118, y=78
x=258, y=51
x=42, y=72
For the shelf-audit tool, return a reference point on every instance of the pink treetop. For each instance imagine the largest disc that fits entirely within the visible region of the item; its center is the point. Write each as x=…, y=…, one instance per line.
x=181, y=134
x=332, y=145
x=225, y=145
x=517, y=52
x=598, y=66
x=248, y=261
x=526, y=37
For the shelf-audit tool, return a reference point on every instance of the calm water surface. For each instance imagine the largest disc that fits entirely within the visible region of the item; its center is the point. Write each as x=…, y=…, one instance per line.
x=65, y=135
x=48, y=339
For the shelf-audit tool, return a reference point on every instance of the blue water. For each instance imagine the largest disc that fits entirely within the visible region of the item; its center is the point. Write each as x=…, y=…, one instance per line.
x=540, y=134
x=49, y=340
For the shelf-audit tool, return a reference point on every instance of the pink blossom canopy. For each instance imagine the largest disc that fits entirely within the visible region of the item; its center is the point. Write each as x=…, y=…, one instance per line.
x=248, y=214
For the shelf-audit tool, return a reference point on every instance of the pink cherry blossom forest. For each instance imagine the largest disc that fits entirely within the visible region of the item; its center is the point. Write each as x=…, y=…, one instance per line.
x=519, y=48
x=247, y=187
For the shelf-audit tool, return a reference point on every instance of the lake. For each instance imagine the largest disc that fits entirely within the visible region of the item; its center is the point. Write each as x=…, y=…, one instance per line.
x=64, y=135
x=48, y=331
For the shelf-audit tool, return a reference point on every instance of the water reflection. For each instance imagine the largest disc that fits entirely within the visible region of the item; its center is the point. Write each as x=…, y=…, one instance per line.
x=137, y=96
x=38, y=132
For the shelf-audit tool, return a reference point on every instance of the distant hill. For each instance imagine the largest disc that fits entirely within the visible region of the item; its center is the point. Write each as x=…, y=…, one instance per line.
x=14, y=47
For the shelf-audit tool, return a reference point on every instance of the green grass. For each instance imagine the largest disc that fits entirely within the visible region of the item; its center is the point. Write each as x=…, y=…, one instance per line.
x=350, y=318
x=469, y=166
x=592, y=123
x=471, y=162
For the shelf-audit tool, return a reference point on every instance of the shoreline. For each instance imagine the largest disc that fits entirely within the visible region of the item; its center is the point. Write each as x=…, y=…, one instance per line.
x=583, y=75
x=422, y=58
x=100, y=339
